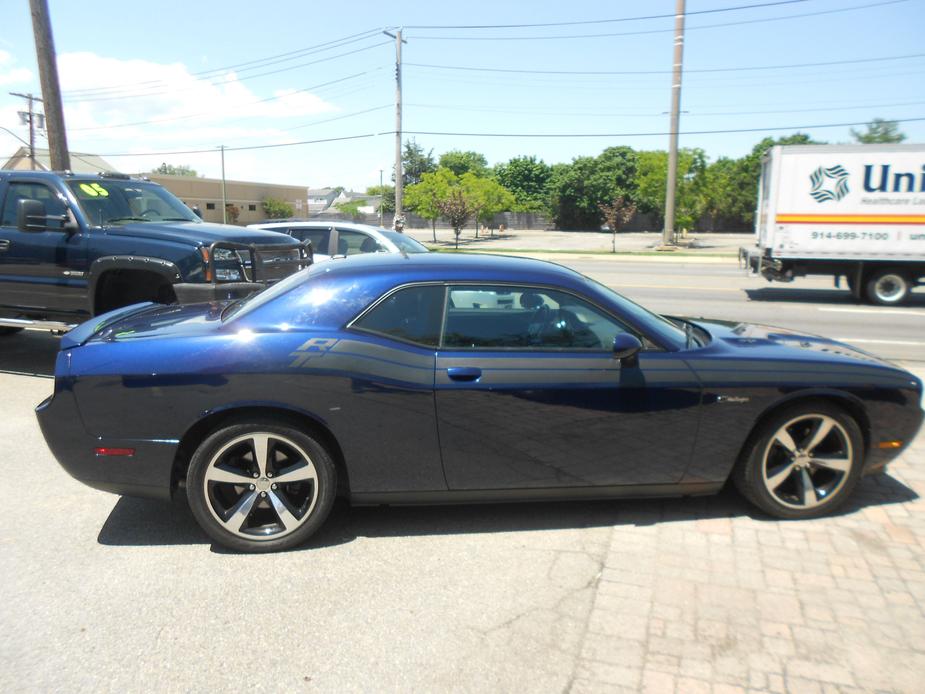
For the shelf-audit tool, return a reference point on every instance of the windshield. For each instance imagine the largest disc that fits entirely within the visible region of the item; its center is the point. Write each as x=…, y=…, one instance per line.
x=405, y=244
x=117, y=201
x=660, y=326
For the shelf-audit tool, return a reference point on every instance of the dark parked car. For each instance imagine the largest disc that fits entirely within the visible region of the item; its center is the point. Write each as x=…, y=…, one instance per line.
x=431, y=378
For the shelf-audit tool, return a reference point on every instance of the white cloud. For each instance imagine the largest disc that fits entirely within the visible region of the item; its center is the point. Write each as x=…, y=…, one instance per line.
x=9, y=74
x=166, y=97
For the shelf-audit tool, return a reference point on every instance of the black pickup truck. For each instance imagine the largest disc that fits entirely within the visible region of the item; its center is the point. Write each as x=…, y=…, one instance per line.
x=73, y=246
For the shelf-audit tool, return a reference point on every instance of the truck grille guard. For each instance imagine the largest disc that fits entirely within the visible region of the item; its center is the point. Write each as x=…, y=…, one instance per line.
x=262, y=261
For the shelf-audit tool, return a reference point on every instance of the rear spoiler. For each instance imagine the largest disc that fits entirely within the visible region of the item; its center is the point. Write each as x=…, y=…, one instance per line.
x=84, y=331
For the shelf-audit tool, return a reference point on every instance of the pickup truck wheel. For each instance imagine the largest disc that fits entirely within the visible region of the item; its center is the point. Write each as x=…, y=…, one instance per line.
x=888, y=287
x=8, y=331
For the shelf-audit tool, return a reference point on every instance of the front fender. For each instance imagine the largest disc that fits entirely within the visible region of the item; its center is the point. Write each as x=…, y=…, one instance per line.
x=168, y=270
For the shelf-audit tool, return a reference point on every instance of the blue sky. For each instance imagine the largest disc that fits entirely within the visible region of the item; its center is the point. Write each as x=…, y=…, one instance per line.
x=194, y=75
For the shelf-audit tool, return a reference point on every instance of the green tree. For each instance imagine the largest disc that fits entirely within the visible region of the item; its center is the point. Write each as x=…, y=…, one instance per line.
x=577, y=189
x=879, y=130
x=415, y=163
x=528, y=179
x=352, y=207
x=460, y=162
x=486, y=198
x=274, y=208
x=171, y=170
x=652, y=179
x=388, y=196
x=424, y=197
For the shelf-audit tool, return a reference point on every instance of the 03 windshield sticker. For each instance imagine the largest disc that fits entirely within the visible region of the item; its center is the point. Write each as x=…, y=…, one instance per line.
x=94, y=190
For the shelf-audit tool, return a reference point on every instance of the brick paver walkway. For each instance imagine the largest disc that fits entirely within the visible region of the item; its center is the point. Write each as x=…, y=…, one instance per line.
x=722, y=599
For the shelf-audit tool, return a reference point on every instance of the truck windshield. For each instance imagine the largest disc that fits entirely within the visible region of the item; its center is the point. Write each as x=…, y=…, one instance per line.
x=113, y=201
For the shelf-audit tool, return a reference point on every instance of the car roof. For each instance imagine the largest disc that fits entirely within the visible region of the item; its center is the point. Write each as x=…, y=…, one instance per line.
x=322, y=224
x=420, y=267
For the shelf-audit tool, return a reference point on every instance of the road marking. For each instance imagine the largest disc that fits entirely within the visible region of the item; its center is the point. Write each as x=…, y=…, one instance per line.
x=678, y=286
x=875, y=311
x=865, y=341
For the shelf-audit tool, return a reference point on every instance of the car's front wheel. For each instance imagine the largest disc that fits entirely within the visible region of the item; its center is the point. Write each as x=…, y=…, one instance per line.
x=261, y=486
x=802, y=462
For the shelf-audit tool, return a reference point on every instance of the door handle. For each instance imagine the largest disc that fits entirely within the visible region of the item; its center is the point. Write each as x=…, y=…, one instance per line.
x=4, y=245
x=464, y=373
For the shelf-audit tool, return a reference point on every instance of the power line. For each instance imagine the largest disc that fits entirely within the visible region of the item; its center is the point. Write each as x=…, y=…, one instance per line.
x=291, y=55
x=172, y=119
x=211, y=150
x=517, y=135
x=601, y=21
x=656, y=31
x=142, y=95
x=627, y=114
x=663, y=72
x=654, y=134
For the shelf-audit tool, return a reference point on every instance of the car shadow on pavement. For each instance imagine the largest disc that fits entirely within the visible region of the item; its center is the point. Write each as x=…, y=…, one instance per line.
x=29, y=353
x=142, y=522
x=818, y=296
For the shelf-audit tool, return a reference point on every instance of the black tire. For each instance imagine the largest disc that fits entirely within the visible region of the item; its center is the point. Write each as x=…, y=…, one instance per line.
x=888, y=287
x=225, y=482
x=4, y=330
x=772, y=474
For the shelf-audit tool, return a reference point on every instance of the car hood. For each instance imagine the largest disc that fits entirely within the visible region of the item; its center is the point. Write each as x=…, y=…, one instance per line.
x=201, y=232
x=147, y=320
x=765, y=341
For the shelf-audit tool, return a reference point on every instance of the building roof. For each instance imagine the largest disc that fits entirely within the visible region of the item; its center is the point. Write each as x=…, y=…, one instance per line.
x=319, y=192
x=81, y=162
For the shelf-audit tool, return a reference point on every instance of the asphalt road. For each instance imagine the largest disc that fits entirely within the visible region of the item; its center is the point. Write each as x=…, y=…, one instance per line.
x=721, y=289
x=102, y=593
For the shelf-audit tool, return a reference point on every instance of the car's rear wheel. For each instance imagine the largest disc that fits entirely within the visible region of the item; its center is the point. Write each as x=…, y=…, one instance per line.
x=888, y=287
x=802, y=462
x=261, y=486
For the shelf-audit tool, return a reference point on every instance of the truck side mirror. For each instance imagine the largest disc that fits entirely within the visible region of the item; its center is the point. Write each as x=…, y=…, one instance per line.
x=31, y=216
x=626, y=348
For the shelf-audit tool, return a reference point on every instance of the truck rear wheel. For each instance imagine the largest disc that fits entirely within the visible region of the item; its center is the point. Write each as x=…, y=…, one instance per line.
x=888, y=287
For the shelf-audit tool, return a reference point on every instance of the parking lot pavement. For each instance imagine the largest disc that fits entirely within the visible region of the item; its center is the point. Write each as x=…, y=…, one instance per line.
x=687, y=595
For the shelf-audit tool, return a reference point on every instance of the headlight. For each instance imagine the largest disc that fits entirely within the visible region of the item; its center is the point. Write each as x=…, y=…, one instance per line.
x=227, y=274
x=225, y=254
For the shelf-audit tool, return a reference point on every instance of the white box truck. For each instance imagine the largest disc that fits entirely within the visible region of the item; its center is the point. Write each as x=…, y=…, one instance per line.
x=852, y=211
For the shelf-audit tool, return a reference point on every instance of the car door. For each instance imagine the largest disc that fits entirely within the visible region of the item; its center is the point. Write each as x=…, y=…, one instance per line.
x=319, y=236
x=45, y=270
x=529, y=395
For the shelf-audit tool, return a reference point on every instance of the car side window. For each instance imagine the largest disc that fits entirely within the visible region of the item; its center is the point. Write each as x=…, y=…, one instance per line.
x=31, y=191
x=506, y=317
x=320, y=238
x=350, y=242
x=413, y=314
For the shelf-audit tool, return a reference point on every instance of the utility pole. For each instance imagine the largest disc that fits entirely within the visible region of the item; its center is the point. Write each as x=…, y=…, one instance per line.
x=399, y=179
x=51, y=89
x=31, y=119
x=668, y=235
x=381, y=197
x=224, y=199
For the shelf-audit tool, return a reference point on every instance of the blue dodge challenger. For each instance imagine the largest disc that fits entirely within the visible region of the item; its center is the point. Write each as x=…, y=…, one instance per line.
x=431, y=378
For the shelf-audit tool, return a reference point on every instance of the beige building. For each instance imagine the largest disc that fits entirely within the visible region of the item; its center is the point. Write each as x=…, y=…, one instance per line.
x=245, y=199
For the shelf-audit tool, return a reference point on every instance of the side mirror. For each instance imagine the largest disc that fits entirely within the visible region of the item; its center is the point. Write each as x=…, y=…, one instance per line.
x=626, y=348
x=31, y=216
x=197, y=211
